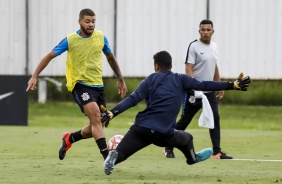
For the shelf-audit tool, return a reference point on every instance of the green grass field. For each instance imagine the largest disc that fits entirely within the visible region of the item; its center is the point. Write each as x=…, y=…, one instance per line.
x=253, y=135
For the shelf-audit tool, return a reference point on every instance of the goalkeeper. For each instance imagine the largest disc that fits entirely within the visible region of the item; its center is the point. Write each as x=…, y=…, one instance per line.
x=163, y=92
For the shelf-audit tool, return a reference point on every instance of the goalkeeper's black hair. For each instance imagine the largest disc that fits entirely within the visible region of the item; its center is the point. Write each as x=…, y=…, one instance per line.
x=163, y=59
x=86, y=12
x=206, y=21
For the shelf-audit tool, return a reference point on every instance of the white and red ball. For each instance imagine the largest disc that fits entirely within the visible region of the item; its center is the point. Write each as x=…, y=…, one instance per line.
x=114, y=141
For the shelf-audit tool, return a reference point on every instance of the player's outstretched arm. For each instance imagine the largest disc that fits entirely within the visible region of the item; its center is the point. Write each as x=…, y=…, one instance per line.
x=43, y=63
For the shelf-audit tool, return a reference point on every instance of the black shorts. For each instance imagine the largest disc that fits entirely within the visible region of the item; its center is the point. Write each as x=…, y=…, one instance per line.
x=83, y=94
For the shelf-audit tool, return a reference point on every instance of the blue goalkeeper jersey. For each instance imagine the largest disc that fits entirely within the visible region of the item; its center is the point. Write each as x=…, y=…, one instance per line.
x=163, y=92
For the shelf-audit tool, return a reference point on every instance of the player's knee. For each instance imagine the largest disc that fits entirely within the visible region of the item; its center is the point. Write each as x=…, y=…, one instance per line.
x=91, y=108
x=189, y=136
x=93, y=114
x=184, y=138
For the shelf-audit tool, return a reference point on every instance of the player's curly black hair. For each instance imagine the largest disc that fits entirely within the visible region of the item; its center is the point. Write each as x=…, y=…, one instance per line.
x=86, y=12
x=163, y=59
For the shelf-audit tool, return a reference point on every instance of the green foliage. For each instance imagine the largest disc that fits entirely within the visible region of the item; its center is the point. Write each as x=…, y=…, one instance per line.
x=260, y=92
x=53, y=94
x=111, y=90
x=68, y=114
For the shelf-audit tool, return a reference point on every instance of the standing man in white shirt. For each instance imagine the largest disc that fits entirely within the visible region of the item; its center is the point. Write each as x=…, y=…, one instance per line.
x=201, y=63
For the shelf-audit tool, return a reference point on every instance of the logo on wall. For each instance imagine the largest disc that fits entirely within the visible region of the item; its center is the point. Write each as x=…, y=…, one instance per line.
x=6, y=95
x=13, y=100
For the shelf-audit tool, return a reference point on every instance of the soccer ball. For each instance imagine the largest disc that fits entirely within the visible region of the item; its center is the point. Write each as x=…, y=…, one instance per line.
x=114, y=141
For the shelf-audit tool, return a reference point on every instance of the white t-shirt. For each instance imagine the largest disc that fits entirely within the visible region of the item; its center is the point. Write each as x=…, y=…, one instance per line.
x=204, y=57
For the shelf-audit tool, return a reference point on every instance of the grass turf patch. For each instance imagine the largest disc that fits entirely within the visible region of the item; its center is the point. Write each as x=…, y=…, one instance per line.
x=30, y=155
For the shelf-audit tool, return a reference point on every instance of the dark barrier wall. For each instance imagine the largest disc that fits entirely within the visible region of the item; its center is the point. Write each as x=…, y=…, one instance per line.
x=13, y=100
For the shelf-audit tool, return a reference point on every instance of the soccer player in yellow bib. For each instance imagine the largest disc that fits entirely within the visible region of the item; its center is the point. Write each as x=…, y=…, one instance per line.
x=84, y=78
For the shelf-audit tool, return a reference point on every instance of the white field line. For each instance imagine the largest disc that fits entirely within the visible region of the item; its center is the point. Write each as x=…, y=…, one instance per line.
x=257, y=160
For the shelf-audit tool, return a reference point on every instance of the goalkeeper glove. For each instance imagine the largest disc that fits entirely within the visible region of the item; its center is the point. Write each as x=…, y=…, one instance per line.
x=240, y=83
x=107, y=115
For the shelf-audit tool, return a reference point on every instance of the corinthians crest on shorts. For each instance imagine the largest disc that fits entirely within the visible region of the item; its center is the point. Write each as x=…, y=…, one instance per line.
x=85, y=96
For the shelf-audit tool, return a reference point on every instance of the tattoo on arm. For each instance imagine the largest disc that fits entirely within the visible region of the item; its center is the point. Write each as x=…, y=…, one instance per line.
x=115, y=67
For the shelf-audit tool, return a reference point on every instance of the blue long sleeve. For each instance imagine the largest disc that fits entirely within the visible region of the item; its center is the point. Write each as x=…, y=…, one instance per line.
x=163, y=93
